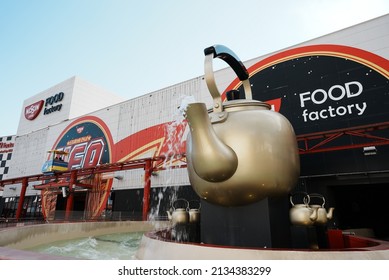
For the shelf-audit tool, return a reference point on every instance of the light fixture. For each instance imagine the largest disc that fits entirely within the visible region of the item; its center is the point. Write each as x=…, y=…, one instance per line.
x=64, y=191
x=369, y=151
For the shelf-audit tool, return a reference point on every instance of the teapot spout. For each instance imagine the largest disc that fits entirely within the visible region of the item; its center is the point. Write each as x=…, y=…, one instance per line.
x=330, y=213
x=169, y=215
x=314, y=215
x=212, y=160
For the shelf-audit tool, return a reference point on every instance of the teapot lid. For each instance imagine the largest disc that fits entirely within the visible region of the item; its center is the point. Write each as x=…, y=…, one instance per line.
x=217, y=116
x=245, y=103
x=235, y=99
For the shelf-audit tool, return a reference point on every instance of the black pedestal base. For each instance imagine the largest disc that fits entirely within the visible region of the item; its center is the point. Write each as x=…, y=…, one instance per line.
x=262, y=224
x=309, y=237
x=186, y=232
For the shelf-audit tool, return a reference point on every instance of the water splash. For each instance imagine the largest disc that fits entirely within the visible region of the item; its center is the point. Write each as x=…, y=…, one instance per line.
x=173, y=149
x=174, y=132
x=118, y=246
x=185, y=101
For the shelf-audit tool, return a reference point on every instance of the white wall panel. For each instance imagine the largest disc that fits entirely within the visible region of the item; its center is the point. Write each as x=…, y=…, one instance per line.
x=29, y=154
x=154, y=108
x=173, y=177
x=88, y=98
x=135, y=178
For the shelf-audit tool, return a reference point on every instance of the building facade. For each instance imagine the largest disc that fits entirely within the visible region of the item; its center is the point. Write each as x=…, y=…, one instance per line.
x=333, y=89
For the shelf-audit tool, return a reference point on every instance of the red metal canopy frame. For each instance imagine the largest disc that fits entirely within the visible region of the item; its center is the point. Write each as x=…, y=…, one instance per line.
x=361, y=136
x=71, y=179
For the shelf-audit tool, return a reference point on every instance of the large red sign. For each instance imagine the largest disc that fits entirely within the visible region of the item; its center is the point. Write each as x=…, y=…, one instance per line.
x=321, y=87
x=324, y=88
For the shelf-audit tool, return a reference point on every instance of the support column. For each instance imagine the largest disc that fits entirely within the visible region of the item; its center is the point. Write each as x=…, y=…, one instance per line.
x=146, y=189
x=21, y=198
x=70, y=199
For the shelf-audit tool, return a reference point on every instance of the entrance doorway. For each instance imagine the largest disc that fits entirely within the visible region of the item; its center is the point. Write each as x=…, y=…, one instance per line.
x=78, y=206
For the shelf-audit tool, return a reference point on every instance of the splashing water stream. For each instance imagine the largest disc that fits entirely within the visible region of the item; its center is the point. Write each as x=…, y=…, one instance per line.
x=118, y=246
x=174, y=135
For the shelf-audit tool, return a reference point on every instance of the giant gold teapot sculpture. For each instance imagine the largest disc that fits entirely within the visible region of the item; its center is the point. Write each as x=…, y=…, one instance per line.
x=240, y=151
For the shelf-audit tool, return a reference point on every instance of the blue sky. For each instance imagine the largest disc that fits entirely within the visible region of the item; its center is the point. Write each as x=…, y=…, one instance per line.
x=136, y=47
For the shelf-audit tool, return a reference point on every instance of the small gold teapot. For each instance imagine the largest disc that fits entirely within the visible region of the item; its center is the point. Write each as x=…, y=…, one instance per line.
x=322, y=216
x=179, y=215
x=194, y=213
x=302, y=214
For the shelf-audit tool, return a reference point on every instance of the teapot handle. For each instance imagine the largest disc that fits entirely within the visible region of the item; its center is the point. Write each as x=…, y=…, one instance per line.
x=318, y=195
x=234, y=62
x=180, y=199
x=306, y=198
x=198, y=202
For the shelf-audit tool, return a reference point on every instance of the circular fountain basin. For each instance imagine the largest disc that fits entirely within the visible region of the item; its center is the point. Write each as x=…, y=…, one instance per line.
x=154, y=246
x=15, y=241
